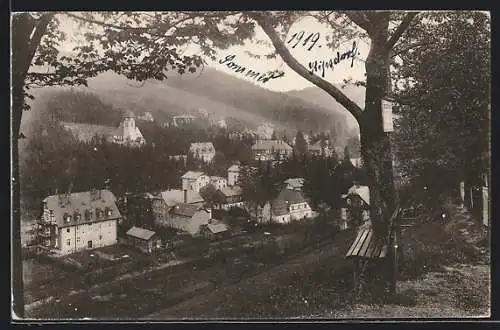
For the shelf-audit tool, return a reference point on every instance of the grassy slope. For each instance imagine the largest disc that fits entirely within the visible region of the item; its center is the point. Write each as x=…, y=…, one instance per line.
x=445, y=274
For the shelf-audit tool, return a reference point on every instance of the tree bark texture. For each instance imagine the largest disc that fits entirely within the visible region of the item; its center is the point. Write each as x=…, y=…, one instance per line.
x=26, y=35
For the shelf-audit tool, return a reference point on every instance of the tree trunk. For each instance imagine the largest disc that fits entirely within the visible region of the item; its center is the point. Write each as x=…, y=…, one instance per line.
x=26, y=35
x=17, y=270
x=375, y=143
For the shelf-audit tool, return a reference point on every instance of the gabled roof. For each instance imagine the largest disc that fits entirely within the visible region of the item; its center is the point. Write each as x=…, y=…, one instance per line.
x=291, y=196
x=231, y=191
x=141, y=233
x=129, y=114
x=295, y=182
x=201, y=145
x=279, y=207
x=361, y=191
x=192, y=175
x=218, y=227
x=80, y=202
x=185, y=210
x=172, y=197
x=271, y=145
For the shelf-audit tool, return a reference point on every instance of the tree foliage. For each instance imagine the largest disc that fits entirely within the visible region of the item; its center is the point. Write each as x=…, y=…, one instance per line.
x=443, y=132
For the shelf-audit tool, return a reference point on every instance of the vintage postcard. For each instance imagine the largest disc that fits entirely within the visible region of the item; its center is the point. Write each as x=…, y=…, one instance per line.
x=256, y=165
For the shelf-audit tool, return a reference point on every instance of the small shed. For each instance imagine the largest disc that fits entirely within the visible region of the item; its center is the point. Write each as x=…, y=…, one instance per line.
x=215, y=230
x=143, y=239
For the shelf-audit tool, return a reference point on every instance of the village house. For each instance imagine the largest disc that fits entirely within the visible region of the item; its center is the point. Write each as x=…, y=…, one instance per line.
x=230, y=197
x=214, y=230
x=147, y=116
x=193, y=180
x=188, y=218
x=179, y=158
x=166, y=200
x=296, y=203
x=78, y=221
x=128, y=133
x=180, y=120
x=233, y=175
x=288, y=206
x=204, y=151
x=294, y=184
x=143, y=239
x=218, y=182
x=321, y=149
x=269, y=150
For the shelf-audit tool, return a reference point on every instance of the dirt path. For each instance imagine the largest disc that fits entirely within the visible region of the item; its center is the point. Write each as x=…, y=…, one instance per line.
x=231, y=301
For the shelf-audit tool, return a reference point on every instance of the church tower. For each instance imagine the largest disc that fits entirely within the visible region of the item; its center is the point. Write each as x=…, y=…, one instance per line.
x=129, y=130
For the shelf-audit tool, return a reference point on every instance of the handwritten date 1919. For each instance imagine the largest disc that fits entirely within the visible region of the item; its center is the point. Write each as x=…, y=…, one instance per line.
x=312, y=39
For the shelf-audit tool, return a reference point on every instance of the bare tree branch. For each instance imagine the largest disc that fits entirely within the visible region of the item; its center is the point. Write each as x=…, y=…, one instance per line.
x=361, y=20
x=285, y=54
x=40, y=29
x=401, y=29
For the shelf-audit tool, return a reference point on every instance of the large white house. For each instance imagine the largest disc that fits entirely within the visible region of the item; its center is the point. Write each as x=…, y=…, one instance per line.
x=233, y=175
x=203, y=150
x=268, y=150
x=78, y=221
x=193, y=180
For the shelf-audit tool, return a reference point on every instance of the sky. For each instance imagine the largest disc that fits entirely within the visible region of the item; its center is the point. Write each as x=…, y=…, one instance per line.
x=290, y=80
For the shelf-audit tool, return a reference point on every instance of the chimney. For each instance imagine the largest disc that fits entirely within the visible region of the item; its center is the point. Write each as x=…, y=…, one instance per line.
x=185, y=196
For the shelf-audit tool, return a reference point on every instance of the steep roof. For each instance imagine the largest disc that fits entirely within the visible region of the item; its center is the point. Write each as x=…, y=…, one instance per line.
x=271, y=145
x=201, y=145
x=185, y=210
x=192, y=175
x=218, y=227
x=291, y=196
x=361, y=191
x=279, y=207
x=172, y=197
x=128, y=114
x=141, y=233
x=295, y=182
x=231, y=191
x=79, y=203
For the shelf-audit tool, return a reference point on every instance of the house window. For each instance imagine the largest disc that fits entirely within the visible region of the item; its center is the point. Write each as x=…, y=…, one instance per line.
x=109, y=224
x=100, y=237
x=67, y=230
x=78, y=239
x=68, y=242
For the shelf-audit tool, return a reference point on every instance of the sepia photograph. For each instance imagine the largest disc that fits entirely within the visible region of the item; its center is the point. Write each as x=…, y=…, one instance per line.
x=250, y=165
